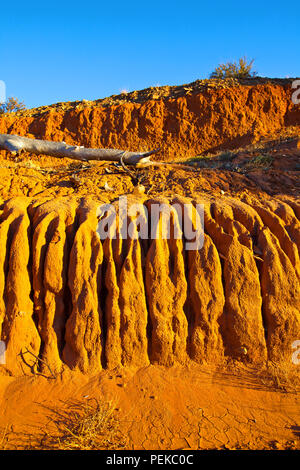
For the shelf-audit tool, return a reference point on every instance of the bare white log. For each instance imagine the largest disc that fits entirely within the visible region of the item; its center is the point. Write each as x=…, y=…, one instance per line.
x=15, y=143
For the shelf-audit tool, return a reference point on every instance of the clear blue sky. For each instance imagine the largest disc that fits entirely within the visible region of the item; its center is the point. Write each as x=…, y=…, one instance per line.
x=68, y=50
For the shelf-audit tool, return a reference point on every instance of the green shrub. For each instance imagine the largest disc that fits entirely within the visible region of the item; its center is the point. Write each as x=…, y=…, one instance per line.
x=242, y=69
x=226, y=156
x=262, y=160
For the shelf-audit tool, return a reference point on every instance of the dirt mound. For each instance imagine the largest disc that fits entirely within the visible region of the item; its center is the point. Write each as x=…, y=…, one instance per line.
x=183, y=121
x=78, y=302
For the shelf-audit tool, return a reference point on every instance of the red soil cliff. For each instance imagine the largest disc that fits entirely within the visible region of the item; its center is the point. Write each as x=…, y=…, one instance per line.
x=199, y=120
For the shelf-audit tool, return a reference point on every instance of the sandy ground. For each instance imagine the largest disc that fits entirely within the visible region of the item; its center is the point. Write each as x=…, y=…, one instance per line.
x=158, y=408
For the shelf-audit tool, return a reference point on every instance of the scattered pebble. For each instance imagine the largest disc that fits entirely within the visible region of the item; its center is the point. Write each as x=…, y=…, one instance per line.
x=107, y=187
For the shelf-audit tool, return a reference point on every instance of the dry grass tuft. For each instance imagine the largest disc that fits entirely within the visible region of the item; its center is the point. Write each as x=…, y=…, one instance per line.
x=283, y=375
x=84, y=426
x=263, y=160
x=89, y=425
x=29, y=164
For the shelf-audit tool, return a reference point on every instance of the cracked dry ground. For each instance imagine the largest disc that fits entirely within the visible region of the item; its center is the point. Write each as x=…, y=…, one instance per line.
x=193, y=347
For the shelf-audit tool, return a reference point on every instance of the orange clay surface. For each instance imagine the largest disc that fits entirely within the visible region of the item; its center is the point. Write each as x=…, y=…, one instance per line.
x=193, y=347
x=177, y=408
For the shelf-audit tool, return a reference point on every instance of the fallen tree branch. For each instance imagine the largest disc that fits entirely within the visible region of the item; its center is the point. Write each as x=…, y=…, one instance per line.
x=15, y=144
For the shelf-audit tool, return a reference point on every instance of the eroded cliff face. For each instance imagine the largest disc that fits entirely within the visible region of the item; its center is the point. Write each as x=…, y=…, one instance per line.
x=79, y=302
x=184, y=126
x=76, y=301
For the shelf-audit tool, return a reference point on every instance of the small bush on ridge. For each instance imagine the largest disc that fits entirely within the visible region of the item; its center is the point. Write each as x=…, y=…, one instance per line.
x=242, y=69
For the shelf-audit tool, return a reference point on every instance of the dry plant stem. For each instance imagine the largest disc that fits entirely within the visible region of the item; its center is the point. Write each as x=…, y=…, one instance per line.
x=40, y=360
x=84, y=426
x=14, y=144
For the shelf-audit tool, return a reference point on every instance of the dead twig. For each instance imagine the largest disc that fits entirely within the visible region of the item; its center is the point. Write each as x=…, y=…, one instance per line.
x=38, y=359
